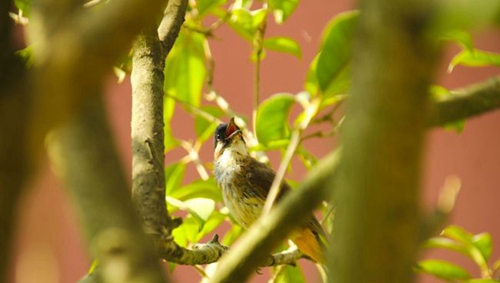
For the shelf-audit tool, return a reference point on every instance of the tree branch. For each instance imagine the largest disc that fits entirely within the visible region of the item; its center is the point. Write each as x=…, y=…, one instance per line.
x=378, y=186
x=75, y=51
x=84, y=155
x=15, y=163
x=148, y=172
x=464, y=103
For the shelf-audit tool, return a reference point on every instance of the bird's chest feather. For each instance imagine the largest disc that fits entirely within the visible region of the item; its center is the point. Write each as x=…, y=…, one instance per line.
x=240, y=198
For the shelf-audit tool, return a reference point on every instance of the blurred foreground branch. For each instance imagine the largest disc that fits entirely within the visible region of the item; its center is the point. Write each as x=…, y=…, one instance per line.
x=85, y=157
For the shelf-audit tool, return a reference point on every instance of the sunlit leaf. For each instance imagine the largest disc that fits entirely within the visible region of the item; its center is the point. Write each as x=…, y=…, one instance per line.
x=202, y=207
x=23, y=5
x=311, y=84
x=459, y=234
x=475, y=58
x=443, y=269
x=185, y=68
x=204, y=6
x=169, y=139
x=216, y=219
x=445, y=243
x=465, y=14
x=246, y=22
x=272, y=117
x=199, y=189
x=334, y=61
x=232, y=235
x=290, y=274
x=461, y=37
x=186, y=232
x=242, y=4
x=27, y=55
x=282, y=9
x=174, y=174
x=481, y=280
x=484, y=244
x=283, y=44
x=205, y=128
x=467, y=239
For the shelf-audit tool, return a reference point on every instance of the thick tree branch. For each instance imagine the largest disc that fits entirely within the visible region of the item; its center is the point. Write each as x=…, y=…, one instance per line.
x=14, y=112
x=148, y=173
x=74, y=50
x=171, y=23
x=85, y=157
x=468, y=102
x=378, y=186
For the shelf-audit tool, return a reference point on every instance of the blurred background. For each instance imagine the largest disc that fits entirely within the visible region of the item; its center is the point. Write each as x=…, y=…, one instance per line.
x=49, y=246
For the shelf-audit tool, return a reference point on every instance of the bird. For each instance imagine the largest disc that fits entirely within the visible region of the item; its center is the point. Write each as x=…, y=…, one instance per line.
x=245, y=184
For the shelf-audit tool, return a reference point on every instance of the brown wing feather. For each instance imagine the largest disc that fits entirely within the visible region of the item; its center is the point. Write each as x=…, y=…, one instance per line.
x=261, y=178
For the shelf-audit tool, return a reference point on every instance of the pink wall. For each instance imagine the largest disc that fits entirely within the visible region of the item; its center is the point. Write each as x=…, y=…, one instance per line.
x=49, y=247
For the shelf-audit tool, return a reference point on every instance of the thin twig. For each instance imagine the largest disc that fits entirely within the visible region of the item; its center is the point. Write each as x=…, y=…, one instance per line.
x=258, y=46
x=311, y=111
x=195, y=158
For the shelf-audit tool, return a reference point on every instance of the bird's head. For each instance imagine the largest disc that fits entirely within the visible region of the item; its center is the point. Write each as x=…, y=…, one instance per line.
x=229, y=141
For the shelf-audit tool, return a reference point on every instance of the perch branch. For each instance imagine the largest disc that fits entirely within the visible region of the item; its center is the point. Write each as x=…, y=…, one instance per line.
x=467, y=102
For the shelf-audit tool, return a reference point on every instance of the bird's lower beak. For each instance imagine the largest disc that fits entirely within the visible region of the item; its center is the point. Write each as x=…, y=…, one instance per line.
x=233, y=134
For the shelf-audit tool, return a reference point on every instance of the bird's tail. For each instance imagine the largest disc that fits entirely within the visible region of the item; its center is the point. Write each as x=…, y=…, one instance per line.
x=310, y=243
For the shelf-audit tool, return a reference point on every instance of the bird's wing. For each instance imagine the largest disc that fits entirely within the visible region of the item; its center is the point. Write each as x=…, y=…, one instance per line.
x=261, y=178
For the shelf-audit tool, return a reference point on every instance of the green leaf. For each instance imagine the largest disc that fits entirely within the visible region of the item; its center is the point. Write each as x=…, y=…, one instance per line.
x=246, y=22
x=205, y=128
x=282, y=9
x=272, y=114
x=204, y=6
x=311, y=85
x=290, y=274
x=199, y=189
x=443, y=269
x=26, y=54
x=333, y=65
x=232, y=235
x=168, y=139
x=174, y=174
x=23, y=5
x=467, y=239
x=185, y=68
x=283, y=44
x=474, y=58
x=445, y=243
x=457, y=126
x=201, y=207
x=465, y=14
x=461, y=37
x=215, y=220
x=484, y=244
x=481, y=280
x=186, y=232
x=459, y=234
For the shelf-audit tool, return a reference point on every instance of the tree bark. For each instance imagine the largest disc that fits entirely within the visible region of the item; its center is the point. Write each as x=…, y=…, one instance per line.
x=85, y=157
x=14, y=160
x=377, y=220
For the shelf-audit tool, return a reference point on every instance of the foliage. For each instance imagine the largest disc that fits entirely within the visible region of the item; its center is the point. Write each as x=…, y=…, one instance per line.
x=478, y=248
x=188, y=86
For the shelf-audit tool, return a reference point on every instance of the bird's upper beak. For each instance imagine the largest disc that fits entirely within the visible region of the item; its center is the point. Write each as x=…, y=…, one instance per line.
x=232, y=129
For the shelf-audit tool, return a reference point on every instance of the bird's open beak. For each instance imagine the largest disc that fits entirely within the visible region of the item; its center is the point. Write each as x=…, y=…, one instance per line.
x=232, y=129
